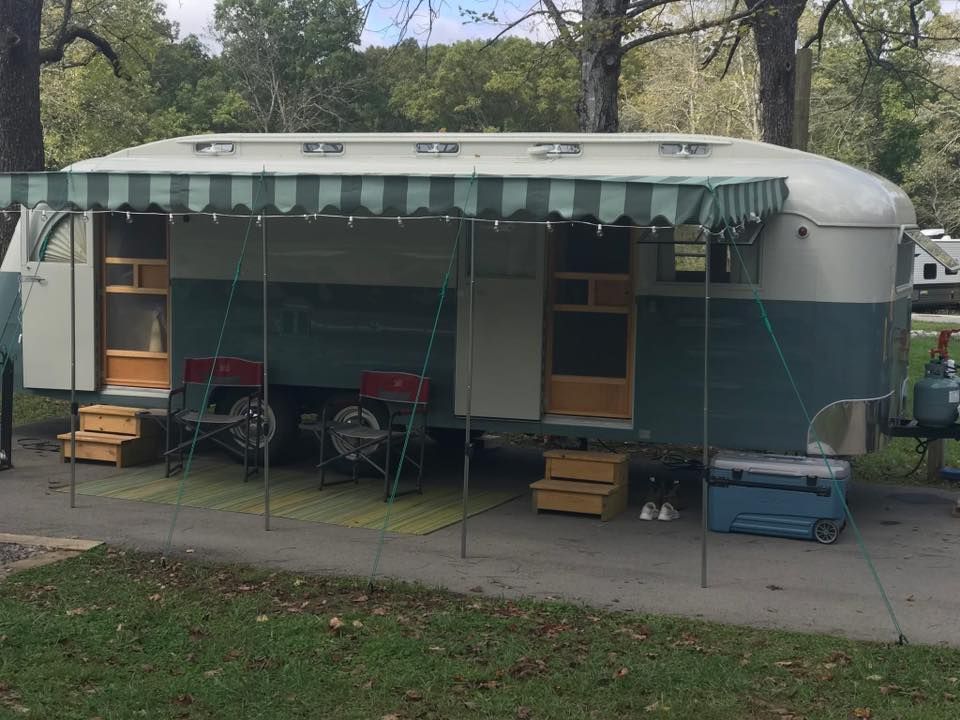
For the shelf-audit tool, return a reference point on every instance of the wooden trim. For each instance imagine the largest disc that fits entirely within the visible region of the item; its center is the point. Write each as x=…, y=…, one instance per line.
x=135, y=289
x=135, y=382
x=605, y=309
x=590, y=276
x=590, y=380
x=137, y=354
x=129, y=290
x=627, y=382
x=113, y=260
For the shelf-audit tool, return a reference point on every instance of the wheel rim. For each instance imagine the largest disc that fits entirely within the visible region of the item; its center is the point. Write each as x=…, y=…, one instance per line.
x=269, y=429
x=826, y=532
x=348, y=416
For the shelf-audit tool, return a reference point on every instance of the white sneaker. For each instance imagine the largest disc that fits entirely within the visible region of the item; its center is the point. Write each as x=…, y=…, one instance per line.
x=668, y=512
x=649, y=511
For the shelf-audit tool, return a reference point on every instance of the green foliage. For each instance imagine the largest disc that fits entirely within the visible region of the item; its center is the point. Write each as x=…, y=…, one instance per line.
x=512, y=85
x=291, y=59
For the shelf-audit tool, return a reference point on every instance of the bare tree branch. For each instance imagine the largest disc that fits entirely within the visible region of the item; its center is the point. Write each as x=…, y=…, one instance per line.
x=685, y=30
x=56, y=52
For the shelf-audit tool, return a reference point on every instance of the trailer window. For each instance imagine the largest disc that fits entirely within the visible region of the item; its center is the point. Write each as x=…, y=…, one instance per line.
x=906, y=252
x=929, y=271
x=685, y=259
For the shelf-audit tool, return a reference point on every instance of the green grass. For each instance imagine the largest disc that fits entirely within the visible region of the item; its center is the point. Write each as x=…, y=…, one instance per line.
x=894, y=463
x=30, y=408
x=116, y=635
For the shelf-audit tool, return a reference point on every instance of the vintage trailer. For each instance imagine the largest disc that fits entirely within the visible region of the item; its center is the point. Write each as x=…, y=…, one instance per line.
x=588, y=328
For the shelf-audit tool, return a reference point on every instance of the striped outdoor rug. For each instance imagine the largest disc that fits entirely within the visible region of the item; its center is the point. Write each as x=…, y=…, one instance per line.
x=294, y=495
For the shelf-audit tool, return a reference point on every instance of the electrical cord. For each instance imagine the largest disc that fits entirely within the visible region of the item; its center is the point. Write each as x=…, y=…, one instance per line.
x=921, y=450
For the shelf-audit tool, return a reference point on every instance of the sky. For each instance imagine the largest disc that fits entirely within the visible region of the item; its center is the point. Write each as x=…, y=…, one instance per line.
x=195, y=16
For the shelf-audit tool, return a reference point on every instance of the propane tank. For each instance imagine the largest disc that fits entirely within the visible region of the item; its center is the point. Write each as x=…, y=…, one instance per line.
x=937, y=395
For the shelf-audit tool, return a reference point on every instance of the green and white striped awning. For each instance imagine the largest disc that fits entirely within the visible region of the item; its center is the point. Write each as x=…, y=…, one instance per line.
x=636, y=200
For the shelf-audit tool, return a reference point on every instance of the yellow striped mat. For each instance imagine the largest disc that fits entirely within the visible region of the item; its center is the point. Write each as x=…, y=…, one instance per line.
x=294, y=495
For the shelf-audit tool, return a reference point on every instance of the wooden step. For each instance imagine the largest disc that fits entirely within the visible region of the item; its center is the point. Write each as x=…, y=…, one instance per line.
x=117, y=420
x=603, y=499
x=589, y=466
x=121, y=450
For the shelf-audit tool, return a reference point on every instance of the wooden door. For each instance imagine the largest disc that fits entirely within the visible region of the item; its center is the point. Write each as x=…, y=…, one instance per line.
x=135, y=302
x=590, y=321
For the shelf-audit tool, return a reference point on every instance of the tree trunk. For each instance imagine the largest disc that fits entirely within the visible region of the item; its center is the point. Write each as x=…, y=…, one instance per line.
x=21, y=134
x=775, y=27
x=600, y=56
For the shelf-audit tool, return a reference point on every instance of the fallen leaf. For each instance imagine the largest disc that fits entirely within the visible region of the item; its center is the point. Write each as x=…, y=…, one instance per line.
x=476, y=589
x=391, y=716
x=76, y=611
x=412, y=696
x=949, y=697
x=189, y=550
x=874, y=678
x=298, y=582
x=357, y=624
x=185, y=699
x=360, y=599
x=488, y=685
x=379, y=611
x=120, y=627
x=911, y=598
x=840, y=658
x=231, y=654
x=213, y=673
x=774, y=587
x=785, y=663
x=335, y=624
x=435, y=648
x=524, y=713
x=262, y=618
x=156, y=597
x=146, y=668
x=863, y=713
x=889, y=689
x=622, y=672
x=367, y=685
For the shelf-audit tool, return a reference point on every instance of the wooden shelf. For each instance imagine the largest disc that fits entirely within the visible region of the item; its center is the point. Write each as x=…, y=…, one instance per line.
x=607, y=309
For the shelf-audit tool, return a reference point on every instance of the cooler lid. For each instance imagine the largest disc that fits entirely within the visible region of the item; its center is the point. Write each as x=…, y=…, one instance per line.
x=796, y=465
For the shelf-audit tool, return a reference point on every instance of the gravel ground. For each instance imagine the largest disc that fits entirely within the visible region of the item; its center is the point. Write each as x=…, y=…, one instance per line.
x=11, y=552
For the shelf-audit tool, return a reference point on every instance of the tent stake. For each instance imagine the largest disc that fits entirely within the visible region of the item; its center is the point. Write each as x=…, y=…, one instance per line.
x=264, y=409
x=705, y=489
x=73, y=366
x=468, y=440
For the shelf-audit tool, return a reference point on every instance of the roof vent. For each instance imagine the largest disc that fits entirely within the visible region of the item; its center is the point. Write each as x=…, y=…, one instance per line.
x=438, y=148
x=555, y=150
x=684, y=150
x=214, y=148
x=322, y=148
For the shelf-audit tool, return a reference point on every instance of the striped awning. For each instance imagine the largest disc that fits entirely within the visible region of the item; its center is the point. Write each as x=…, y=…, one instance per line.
x=637, y=200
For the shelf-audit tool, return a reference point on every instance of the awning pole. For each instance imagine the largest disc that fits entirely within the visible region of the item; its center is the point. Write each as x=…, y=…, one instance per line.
x=264, y=410
x=467, y=440
x=73, y=366
x=705, y=490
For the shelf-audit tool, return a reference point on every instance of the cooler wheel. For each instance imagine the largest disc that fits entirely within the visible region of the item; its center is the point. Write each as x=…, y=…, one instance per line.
x=826, y=532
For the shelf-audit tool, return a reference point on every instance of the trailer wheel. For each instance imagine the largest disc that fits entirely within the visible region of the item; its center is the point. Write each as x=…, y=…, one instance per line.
x=826, y=532
x=280, y=422
x=343, y=409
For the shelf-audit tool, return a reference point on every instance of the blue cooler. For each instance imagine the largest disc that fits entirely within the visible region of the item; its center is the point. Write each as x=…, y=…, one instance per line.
x=785, y=496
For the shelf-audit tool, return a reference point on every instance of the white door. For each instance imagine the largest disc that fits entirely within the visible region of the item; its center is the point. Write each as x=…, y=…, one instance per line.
x=507, y=323
x=45, y=300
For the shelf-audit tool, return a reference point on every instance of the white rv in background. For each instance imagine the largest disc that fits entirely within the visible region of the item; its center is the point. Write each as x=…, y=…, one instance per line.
x=935, y=287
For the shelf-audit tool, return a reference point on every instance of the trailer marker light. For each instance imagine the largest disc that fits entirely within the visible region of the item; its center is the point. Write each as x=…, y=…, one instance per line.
x=216, y=220
x=350, y=222
x=129, y=218
x=259, y=220
x=171, y=218
x=599, y=230
x=496, y=226
x=549, y=227
x=399, y=221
